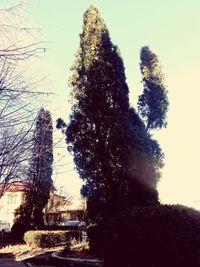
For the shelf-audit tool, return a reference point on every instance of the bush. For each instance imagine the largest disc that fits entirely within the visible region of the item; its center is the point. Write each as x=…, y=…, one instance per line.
x=18, y=229
x=155, y=236
x=96, y=234
x=49, y=238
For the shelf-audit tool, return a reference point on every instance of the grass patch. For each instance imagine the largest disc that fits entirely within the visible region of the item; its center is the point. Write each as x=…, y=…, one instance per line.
x=79, y=250
x=9, y=248
x=13, y=250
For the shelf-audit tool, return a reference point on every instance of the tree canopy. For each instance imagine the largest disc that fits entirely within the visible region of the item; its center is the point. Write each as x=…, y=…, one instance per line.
x=113, y=153
x=40, y=167
x=153, y=103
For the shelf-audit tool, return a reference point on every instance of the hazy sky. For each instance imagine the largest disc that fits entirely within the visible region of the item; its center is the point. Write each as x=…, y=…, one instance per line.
x=171, y=29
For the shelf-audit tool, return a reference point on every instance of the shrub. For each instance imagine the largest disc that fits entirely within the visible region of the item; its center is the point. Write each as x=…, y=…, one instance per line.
x=49, y=238
x=96, y=234
x=18, y=229
x=155, y=236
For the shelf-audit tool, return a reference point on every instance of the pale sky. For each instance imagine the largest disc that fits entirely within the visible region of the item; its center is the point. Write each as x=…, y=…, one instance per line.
x=171, y=28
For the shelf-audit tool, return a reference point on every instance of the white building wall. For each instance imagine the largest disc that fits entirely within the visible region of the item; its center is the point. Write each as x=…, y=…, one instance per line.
x=9, y=202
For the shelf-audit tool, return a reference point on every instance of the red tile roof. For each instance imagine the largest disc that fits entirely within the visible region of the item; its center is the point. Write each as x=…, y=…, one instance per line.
x=15, y=187
x=19, y=186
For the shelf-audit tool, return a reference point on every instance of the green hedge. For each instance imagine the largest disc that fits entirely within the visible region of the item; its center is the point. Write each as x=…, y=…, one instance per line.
x=49, y=238
x=156, y=236
x=96, y=236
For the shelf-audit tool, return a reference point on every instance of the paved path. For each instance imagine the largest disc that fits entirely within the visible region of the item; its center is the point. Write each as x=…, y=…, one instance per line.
x=34, y=265
x=6, y=262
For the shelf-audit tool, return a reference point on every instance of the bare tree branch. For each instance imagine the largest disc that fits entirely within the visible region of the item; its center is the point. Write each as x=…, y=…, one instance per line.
x=18, y=93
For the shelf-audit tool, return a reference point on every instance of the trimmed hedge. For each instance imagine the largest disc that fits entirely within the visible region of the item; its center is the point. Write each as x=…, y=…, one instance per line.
x=156, y=236
x=49, y=238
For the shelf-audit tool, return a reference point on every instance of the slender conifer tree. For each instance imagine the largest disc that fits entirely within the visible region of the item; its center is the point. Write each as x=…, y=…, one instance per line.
x=40, y=168
x=153, y=103
x=112, y=151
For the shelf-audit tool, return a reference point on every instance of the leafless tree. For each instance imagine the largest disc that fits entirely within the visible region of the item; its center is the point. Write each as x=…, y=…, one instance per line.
x=17, y=92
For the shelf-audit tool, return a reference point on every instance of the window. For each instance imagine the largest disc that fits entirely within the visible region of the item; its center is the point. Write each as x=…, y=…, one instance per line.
x=11, y=199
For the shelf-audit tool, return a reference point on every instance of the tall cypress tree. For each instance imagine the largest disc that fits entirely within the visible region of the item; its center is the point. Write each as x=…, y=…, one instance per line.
x=40, y=168
x=111, y=148
x=153, y=103
x=101, y=98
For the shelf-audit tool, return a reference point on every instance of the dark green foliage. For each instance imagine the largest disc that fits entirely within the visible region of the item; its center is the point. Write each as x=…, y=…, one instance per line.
x=18, y=229
x=48, y=238
x=20, y=214
x=136, y=195
x=21, y=223
x=40, y=169
x=155, y=236
x=112, y=151
x=96, y=237
x=153, y=103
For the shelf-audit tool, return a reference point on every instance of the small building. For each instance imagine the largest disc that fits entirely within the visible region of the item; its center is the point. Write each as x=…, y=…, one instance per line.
x=61, y=209
x=12, y=198
x=58, y=209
